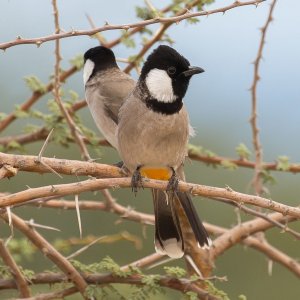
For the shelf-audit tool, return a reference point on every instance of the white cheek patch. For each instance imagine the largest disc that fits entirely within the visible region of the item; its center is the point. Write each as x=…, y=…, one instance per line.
x=159, y=85
x=87, y=70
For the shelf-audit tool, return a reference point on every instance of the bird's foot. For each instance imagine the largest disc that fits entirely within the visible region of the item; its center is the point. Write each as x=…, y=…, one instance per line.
x=172, y=186
x=119, y=164
x=136, y=180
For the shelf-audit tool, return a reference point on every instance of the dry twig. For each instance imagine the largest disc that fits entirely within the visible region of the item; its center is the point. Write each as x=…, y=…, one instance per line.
x=40, y=40
x=21, y=282
x=257, y=180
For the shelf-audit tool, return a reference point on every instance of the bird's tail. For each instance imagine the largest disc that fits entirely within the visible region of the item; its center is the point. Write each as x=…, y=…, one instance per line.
x=168, y=234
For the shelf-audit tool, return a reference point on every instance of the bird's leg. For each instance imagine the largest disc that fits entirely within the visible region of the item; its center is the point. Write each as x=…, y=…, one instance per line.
x=136, y=180
x=173, y=183
x=119, y=164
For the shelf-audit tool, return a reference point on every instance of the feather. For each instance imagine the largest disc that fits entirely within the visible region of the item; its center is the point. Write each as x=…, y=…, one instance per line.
x=168, y=236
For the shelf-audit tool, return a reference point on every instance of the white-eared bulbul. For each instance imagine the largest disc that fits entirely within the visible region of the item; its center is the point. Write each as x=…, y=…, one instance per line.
x=149, y=125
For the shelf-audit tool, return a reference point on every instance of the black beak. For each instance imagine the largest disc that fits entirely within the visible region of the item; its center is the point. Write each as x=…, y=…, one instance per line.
x=192, y=71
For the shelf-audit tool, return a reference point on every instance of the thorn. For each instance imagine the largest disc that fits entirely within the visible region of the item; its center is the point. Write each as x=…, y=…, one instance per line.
x=228, y=188
x=53, y=189
x=85, y=248
x=38, y=43
x=270, y=267
x=194, y=265
x=8, y=210
x=78, y=215
x=31, y=223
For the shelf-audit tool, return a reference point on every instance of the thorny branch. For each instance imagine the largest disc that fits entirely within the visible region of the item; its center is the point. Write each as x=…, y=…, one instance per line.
x=99, y=184
x=20, y=280
x=73, y=128
x=157, y=36
x=39, y=41
x=179, y=284
x=257, y=180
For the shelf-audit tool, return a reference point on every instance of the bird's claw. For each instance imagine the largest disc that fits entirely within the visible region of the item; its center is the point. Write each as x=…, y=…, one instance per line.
x=136, y=181
x=172, y=186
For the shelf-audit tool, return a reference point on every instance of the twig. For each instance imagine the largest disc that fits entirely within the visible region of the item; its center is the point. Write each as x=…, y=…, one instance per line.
x=263, y=216
x=257, y=180
x=73, y=128
x=245, y=229
x=40, y=40
x=268, y=250
x=217, y=160
x=122, y=211
x=274, y=254
x=157, y=36
x=49, y=251
x=54, y=295
x=182, y=285
x=98, y=35
x=40, y=156
x=15, y=271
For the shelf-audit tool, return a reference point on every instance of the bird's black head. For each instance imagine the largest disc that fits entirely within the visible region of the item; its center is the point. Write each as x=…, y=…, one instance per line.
x=97, y=59
x=166, y=74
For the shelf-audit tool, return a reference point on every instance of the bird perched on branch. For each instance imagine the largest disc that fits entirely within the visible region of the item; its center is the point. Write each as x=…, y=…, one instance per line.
x=149, y=126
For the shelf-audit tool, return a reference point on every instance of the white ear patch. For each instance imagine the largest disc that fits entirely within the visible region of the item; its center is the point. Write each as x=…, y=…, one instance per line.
x=87, y=70
x=159, y=85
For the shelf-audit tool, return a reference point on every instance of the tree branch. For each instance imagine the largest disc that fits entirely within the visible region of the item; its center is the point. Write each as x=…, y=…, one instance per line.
x=182, y=285
x=40, y=40
x=257, y=180
x=98, y=184
x=15, y=271
x=73, y=128
x=49, y=251
x=54, y=295
x=243, y=230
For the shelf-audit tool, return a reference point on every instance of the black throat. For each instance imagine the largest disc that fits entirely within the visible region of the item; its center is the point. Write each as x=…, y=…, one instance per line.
x=165, y=108
x=169, y=108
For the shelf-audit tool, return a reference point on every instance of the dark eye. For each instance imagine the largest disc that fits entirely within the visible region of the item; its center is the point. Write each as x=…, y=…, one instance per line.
x=171, y=70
